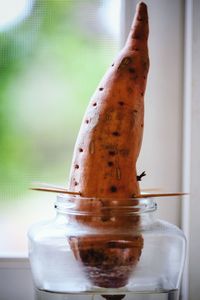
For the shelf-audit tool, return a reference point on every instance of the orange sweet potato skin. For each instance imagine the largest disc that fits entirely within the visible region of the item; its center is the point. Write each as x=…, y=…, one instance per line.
x=109, y=141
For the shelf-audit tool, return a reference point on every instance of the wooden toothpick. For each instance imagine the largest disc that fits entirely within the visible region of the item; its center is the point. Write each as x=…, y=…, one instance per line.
x=43, y=187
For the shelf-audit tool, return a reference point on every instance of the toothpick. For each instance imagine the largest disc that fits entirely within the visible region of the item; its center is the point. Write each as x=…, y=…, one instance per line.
x=43, y=187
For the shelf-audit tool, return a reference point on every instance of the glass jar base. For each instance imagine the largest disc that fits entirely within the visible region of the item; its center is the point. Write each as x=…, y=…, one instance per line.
x=161, y=295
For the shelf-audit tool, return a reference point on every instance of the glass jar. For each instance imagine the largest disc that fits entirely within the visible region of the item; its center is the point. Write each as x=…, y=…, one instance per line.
x=106, y=246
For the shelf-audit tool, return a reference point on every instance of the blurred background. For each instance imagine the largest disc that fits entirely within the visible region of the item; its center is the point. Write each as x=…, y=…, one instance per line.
x=52, y=55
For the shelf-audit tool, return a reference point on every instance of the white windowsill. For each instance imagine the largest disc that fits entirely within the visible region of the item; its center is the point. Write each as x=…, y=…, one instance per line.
x=15, y=278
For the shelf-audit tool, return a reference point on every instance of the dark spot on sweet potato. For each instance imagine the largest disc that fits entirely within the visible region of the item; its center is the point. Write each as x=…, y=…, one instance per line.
x=110, y=163
x=94, y=104
x=115, y=133
x=76, y=166
x=112, y=65
x=80, y=149
x=146, y=65
x=135, y=49
x=121, y=103
x=112, y=244
x=112, y=153
x=131, y=70
x=105, y=218
x=130, y=259
x=101, y=89
x=92, y=257
x=86, y=121
x=142, y=94
x=135, y=111
x=135, y=37
x=113, y=188
x=75, y=183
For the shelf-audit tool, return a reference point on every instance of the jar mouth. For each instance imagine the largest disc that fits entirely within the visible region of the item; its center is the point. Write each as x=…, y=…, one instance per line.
x=77, y=205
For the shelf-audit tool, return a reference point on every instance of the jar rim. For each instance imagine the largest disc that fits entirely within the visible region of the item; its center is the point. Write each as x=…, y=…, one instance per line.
x=78, y=205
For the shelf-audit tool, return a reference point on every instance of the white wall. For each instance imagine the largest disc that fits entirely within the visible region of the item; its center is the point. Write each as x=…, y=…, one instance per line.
x=161, y=154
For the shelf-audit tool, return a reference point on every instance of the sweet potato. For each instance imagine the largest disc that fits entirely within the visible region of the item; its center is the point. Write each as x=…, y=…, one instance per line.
x=109, y=140
x=104, y=162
